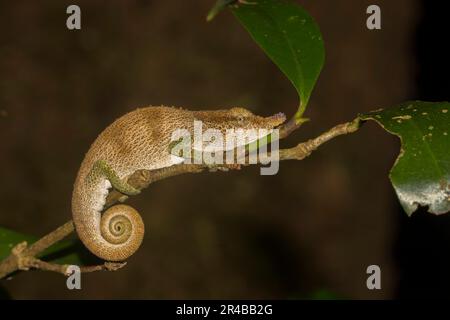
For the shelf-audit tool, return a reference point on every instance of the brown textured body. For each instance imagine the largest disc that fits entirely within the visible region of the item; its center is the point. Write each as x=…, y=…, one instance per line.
x=137, y=140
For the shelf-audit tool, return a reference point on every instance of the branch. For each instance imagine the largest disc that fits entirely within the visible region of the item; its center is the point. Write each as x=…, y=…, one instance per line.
x=23, y=257
x=25, y=261
x=303, y=150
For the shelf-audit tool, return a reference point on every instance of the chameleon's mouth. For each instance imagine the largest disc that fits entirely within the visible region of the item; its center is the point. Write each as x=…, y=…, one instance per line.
x=277, y=119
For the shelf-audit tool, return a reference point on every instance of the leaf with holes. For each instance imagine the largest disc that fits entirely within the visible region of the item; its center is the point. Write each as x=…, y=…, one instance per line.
x=421, y=173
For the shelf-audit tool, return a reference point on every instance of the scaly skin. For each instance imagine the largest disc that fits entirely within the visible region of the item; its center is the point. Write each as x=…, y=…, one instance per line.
x=137, y=140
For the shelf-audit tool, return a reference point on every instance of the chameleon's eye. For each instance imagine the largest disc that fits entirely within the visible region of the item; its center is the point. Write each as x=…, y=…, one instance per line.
x=240, y=119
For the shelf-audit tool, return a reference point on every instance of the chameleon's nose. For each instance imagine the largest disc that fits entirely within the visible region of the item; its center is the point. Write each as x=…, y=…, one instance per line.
x=279, y=117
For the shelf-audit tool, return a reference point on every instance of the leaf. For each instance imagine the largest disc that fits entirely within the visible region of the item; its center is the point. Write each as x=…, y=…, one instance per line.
x=291, y=39
x=65, y=252
x=218, y=7
x=421, y=173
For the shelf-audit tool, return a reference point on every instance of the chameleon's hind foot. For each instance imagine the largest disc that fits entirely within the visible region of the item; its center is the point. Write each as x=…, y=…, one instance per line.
x=120, y=185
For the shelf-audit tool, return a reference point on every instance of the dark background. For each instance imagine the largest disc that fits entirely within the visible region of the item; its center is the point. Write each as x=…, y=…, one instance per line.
x=311, y=230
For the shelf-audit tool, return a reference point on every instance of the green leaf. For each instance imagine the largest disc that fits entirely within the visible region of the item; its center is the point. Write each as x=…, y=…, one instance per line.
x=421, y=173
x=218, y=7
x=64, y=252
x=290, y=37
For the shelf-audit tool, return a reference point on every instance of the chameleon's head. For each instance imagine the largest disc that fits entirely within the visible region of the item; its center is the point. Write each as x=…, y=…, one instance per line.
x=237, y=118
x=246, y=126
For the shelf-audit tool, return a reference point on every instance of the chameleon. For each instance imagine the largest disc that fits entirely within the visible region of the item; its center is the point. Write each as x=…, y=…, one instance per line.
x=139, y=140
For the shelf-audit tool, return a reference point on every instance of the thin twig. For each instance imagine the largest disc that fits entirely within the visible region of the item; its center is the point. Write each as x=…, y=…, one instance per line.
x=23, y=257
x=27, y=262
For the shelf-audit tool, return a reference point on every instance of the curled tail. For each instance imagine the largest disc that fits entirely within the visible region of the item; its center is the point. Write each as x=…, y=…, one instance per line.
x=117, y=233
